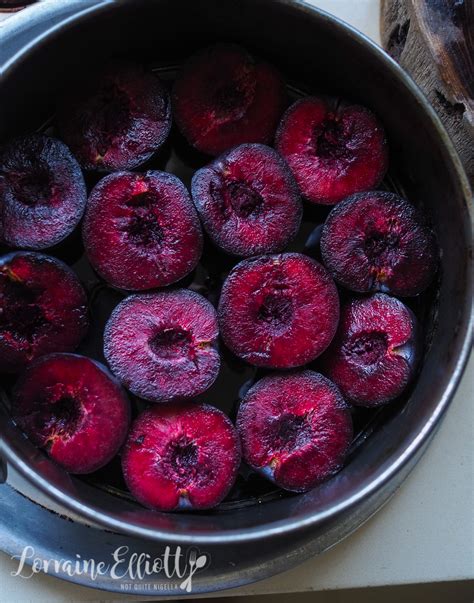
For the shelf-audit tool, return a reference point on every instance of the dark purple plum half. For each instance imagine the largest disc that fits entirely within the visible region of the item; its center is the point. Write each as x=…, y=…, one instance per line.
x=248, y=201
x=182, y=456
x=43, y=309
x=225, y=97
x=141, y=230
x=163, y=346
x=334, y=149
x=72, y=407
x=117, y=119
x=377, y=241
x=42, y=192
x=295, y=429
x=375, y=351
x=278, y=311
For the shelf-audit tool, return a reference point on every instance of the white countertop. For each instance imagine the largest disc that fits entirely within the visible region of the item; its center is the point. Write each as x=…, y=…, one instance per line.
x=425, y=533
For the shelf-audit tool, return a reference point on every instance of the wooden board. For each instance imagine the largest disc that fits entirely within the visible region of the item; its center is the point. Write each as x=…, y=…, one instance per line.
x=433, y=40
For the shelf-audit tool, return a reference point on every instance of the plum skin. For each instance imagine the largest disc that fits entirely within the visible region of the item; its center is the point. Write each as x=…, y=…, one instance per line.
x=278, y=311
x=68, y=418
x=295, y=429
x=376, y=350
x=164, y=346
x=45, y=309
x=181, y=457
x=248, y=201
x=378, y=241
x=42, y=192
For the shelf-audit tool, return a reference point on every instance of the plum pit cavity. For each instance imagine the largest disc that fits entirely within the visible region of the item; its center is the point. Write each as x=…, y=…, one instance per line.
x=171, y=343
x=143, y=227
x=276, y=310
x=243, y=199
x=33, y=188
x=64, y=416
x=291, y=432
x=331, y=138
x=231, y=98
x=367, y=348
x=182, y=457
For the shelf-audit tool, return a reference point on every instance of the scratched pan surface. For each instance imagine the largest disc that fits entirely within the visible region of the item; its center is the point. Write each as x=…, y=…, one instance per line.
x=424, y=168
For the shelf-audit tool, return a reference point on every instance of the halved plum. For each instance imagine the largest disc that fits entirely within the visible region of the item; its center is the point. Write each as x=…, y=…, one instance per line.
x=375, y=351
x=278, y=311
x=225, y=97
x=182, y=456
x=73, y=407
x=117, y=118
x=248, y=201
x=163, y=346
x=42, y=192
x=141, y=230
x=377, y=241
x=43, y=309
x=334, y=149
x=295, y=429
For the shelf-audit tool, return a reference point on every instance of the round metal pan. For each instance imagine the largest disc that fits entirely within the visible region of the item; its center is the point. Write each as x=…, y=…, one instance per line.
x=51, y=43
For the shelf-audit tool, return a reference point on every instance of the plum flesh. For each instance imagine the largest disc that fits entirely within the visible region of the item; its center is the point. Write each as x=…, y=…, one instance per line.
x=224, y=97
x=181, y=457
x=375, y=351
x=377, y=241
x=117, y=119
x=334, y=149
x=248, y=201
x=163, y=346
x=42, y=192
x=43, y=309
x=278, y=311
x=73, y=407
x=295, y=429
x=141, y=231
